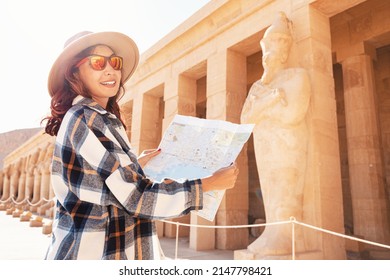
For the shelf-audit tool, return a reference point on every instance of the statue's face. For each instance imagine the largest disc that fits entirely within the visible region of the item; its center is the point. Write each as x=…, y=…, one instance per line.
x=270, y=59
x=275, y=50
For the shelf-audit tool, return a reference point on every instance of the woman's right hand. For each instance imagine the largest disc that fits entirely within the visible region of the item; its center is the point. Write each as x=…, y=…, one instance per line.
x=222, y=179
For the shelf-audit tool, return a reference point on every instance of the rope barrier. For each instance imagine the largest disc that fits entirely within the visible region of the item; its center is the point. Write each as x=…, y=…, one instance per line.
x=35, y=204
x=233, y=226
x=19, y=202
x=292, y=221
x=12, y=198
x=43, y=199
x=7, y=200
x=47, y=199
x=178, y=224
x=343, y=235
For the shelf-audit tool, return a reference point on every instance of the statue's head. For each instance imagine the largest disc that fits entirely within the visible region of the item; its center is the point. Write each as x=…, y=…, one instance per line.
x=278, y=38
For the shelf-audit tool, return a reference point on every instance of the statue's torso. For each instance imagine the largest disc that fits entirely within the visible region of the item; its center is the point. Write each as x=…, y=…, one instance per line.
x=281, y=130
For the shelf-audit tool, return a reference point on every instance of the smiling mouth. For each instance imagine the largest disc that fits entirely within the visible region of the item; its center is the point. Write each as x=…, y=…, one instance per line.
x=109, y=83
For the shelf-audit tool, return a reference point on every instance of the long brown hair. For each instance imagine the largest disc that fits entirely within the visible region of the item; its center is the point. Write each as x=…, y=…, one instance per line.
x=61, y=100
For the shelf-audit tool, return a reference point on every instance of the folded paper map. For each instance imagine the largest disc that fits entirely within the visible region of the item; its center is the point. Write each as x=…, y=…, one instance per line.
x=194, y=148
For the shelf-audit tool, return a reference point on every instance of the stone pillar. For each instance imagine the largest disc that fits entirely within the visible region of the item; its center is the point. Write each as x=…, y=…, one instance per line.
x=21, y=186
x=347, y=200
x=146, y=122
x=136, y=122
x=127, y=117
x=6, y=189
x=151, y=122
x=31, y=163
x=226, y=94
x=36, y=190
x=51, y=211
x=22, y=182
x=382, y=69
x=45, y=180
x=36, y=221
x=369, y=200
x=37, y=196
x=322, y=200
x=21, y=194
x=13, y=187
x=6, y=183
x=14, y=180
x=45, y=190
x=29, y=184
x=180, y=98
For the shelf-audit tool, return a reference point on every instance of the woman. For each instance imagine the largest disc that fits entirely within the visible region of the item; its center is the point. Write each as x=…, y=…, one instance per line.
x=106, y=204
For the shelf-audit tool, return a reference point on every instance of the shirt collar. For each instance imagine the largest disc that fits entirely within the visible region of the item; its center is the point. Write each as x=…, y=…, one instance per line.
x=81, y=100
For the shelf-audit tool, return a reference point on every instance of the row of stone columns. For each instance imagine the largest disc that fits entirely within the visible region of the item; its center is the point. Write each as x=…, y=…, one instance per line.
x=25, y=190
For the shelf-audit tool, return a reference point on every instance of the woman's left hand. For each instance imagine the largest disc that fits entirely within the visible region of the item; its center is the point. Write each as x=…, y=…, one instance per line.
x=147, y=155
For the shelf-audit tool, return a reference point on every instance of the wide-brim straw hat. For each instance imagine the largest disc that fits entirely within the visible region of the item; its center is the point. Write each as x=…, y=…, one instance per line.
x=121, y=44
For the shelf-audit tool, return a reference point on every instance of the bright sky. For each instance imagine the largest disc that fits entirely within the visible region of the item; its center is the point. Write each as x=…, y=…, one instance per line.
x=33, y=34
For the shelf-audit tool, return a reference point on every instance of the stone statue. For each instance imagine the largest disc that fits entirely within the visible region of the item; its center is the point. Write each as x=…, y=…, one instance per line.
x=277, y=104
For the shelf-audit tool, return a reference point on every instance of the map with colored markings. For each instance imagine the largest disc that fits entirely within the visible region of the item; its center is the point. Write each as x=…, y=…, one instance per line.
x=194, y=148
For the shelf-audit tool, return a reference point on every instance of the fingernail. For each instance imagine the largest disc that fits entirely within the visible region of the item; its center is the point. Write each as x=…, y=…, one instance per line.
x=159, y=149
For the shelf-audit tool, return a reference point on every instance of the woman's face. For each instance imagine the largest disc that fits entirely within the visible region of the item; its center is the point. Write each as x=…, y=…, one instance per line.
x=101, y=84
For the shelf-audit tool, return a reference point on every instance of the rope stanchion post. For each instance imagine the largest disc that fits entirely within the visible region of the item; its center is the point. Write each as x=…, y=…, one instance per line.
x=177, y=239
x=292, y=219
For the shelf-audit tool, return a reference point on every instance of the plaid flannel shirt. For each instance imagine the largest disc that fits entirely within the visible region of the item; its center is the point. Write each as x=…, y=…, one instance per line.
x=105, y=203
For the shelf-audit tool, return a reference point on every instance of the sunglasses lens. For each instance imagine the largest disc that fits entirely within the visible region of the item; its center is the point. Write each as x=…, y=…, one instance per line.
x=116, y=62
x=97, y=62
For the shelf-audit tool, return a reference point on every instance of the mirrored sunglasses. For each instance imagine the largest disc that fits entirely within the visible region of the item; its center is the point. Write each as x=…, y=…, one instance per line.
x=99, y=62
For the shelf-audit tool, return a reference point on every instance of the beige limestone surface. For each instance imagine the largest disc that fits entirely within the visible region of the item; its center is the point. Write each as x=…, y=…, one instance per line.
x=277, y=104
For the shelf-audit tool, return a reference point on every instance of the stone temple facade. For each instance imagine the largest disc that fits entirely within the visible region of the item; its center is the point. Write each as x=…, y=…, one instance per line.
x=205, y=68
